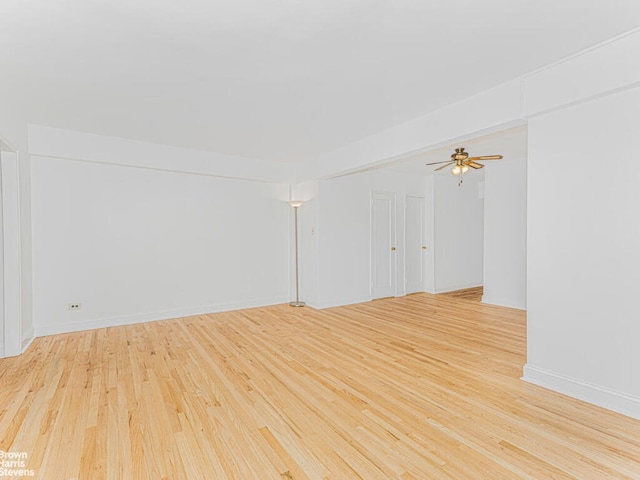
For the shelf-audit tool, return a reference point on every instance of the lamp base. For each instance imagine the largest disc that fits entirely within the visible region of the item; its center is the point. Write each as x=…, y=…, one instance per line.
x=297, y=304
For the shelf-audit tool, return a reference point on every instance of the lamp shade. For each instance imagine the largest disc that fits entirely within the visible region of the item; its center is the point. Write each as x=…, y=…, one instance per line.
x=295, y=203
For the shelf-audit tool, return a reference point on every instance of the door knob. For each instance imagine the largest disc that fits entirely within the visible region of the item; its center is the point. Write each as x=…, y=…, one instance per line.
x=424, y=248
x=393, y=249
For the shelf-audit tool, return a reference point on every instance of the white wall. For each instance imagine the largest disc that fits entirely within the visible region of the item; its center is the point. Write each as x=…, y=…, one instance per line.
x=429, y=238
x=133, y=244
x=12, y=336
x=603, y=69
x=583, y=256
x=309, y=245
x=3, y=252
x=61, y=143
x=13, y=130
x=458, y=232
x=344, y=233
x=505, y=233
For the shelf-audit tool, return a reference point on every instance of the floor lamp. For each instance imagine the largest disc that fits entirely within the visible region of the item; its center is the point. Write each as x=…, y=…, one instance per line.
x=296, y=204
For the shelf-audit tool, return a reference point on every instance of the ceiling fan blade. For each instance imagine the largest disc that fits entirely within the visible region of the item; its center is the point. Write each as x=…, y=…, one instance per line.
x=486, y=157
x=444, y=166
x=438, y=163
x=474, y=164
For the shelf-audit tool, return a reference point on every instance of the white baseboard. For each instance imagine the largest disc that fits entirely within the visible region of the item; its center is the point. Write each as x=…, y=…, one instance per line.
x=503, y=302
x=53, y=329
x=455, y=288
x=27, y=339
x=596, y=394
x=339, y=302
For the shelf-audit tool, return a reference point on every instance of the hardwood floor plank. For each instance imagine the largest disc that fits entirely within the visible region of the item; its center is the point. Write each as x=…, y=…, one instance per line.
x=473, y=294
x=424, y=386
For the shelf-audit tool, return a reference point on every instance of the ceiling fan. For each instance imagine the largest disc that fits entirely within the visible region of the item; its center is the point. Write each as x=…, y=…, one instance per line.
x=461, y=162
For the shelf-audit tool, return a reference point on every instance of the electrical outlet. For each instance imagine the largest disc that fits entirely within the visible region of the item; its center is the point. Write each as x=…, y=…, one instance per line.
x=75, y=306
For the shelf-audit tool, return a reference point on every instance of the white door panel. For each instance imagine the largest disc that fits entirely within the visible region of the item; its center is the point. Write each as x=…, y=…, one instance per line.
x=383, y=247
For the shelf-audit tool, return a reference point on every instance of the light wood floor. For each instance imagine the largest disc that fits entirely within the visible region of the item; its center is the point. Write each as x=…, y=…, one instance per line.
x=473, y=294
x=420, y=387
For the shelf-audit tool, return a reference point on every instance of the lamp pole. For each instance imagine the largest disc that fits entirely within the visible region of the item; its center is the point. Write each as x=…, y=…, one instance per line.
x=296, y=204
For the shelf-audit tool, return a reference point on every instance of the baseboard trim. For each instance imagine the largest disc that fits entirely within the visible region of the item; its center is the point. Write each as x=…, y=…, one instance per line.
x=588, y=392
x=339, y=302
x=28, y=339
x=44, y=330
x=455, y=288
x=501, y=302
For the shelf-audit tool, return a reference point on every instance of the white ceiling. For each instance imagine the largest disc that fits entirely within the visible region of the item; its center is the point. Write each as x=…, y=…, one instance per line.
x=282, y=80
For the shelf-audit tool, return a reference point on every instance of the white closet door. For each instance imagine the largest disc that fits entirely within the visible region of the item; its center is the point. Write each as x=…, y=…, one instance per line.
x=383, y=247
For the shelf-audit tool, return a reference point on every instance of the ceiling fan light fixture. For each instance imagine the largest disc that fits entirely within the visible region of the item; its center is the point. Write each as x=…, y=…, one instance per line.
x=461, y=163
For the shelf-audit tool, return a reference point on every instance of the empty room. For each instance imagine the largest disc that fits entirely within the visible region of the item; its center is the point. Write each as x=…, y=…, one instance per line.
x=319, y=240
